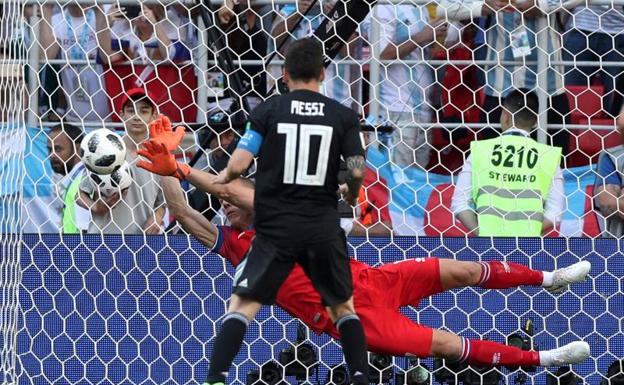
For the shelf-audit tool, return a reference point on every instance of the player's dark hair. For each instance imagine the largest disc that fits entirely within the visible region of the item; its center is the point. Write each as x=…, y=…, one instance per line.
x=304, y=60
x=74, y=133
x=523, y=106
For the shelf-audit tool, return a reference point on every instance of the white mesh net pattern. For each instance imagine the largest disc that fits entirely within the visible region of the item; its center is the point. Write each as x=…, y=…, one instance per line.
x=428, y=79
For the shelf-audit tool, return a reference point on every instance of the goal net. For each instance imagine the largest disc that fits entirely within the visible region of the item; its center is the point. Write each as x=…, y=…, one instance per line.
x=106, y=287
x=12, y=143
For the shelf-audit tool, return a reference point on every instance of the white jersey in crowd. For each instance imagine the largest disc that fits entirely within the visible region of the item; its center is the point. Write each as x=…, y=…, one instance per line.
x=404, y=87
x=598, y=18
x=83, y=84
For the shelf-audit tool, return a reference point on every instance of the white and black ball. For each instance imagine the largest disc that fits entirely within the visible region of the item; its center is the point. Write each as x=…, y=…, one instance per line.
x=103, y=151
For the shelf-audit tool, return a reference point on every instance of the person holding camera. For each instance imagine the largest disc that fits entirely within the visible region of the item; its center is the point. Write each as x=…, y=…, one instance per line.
x=156, y=39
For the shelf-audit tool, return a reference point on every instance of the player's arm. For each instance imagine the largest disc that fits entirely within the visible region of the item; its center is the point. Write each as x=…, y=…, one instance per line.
x=379, y=229
x=354, y=178
x=555, y=203
x=461, y=203
x=48, y=43
x=239, y=162
x=103, y=36
x=607, y=190
x=161, y=161
x=235, y=192
x=191, y=220
x=216, y=238
x=353, y=152
x=248, y=147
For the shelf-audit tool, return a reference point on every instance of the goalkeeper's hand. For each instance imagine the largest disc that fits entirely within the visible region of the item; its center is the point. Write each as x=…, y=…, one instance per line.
x=347, y=196
x=161, y=161
x=160, y=132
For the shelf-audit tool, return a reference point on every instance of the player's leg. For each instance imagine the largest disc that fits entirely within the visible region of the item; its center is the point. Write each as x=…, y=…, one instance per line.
x=490, y=353
x=327, y=265
x=227, y=343
x=352, y=339
x=503, y=275
x=256, y=282
x=390, y=332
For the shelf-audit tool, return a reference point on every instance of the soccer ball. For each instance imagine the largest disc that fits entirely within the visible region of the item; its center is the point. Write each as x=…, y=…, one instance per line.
x=108, y=184
x=102, y=151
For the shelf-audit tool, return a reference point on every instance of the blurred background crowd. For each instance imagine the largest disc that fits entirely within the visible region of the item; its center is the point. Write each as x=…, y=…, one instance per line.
x=428, y=78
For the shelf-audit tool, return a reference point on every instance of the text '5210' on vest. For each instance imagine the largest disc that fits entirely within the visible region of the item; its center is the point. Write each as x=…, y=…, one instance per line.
x=511, y=178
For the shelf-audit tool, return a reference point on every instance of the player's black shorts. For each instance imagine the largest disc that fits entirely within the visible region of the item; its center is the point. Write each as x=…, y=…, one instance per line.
x=267, y=265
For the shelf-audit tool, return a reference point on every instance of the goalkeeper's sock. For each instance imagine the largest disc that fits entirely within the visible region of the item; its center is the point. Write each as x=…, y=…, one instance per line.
x=503, y=275
x=354, y=347
x=489, y=353
x=226, y=346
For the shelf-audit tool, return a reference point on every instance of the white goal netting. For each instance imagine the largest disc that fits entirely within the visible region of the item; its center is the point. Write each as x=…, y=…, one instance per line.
x=105, y=289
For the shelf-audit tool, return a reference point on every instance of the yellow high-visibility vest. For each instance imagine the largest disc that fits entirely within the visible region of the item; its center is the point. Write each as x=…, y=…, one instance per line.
x=511, y=178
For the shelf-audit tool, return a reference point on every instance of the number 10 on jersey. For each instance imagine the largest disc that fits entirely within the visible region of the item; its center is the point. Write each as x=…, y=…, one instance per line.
x=302, y=134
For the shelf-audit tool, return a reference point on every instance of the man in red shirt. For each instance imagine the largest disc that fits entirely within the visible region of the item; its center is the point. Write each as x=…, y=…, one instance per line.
x=379, y=292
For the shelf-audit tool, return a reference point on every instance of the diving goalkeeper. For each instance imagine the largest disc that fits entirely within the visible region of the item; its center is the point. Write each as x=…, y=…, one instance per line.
x=379, y=292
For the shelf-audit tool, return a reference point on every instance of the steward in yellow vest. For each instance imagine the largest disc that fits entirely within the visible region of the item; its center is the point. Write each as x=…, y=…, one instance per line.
x=69, y=211
x=508, y=179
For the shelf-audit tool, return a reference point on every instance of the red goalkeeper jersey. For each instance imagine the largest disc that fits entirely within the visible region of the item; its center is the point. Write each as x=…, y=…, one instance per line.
x=297, y=295
x=378, y=294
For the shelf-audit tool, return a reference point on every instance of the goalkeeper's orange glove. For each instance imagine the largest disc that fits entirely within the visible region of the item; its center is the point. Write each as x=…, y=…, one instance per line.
x=160, y=131
x=161, y=161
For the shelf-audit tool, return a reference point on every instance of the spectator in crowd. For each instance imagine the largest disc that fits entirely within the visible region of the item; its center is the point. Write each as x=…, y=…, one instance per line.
x=373, y=207
x=14, y=35
x=246, y=36
x=155, y=34
x=296, y=21
x=219, y=149
x=608, y=192
x=372, y=212
x=141, y=208
x=407, y=34
x=511, y=35
x=511, y=185
x=11, y=145
x=246, y=39
x=596, y=33
x=220, y=146
x=52, y=173
x=71, y=32
x=63, y=146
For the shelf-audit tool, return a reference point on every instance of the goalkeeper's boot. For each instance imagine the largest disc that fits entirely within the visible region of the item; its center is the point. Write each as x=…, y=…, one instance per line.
x=572, y=353
x=571, y=274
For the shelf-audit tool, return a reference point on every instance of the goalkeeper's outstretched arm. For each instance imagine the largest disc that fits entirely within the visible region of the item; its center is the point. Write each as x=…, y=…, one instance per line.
x=191, y=220
x=163, y=162
x=237, y=192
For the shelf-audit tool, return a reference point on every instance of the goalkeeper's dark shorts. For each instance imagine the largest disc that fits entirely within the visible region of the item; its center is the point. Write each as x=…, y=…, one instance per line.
x=267, y=266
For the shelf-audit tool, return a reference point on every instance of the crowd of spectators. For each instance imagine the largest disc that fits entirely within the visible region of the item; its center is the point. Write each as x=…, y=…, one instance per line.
x=129, y=63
